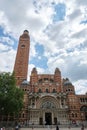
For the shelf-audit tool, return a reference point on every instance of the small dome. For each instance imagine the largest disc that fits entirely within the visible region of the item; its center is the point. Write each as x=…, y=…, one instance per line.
x=26, y=31
x=34, y=70
x=67, y=83
x=25, y=34
x=25, y=82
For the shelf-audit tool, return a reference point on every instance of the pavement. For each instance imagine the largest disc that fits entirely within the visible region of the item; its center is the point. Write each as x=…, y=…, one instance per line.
x=48, y=128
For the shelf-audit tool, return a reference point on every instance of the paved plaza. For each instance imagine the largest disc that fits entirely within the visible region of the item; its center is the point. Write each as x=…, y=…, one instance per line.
x=48, y=128
x=76, y=128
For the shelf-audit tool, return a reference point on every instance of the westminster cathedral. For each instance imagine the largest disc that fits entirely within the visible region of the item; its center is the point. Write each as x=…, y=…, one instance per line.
x=49, y=99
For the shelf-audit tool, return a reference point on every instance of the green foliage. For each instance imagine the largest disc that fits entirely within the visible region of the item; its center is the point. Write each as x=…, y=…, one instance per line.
x=11, y=97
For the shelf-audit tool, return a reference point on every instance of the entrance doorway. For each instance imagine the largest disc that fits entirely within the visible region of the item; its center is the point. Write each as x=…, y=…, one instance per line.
x=55, y=121
x=86, y=116
x=41, y=121
x=48, y=118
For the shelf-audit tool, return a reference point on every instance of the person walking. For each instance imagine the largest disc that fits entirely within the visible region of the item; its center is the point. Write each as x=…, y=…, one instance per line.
x=17, y=127
x=82, y=128
x=57, y=127
x=69, y=127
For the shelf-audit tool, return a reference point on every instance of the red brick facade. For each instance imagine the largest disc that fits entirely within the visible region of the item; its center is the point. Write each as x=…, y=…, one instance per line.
x=48, y=97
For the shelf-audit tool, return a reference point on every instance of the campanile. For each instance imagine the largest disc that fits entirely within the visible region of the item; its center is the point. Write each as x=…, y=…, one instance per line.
x=22, y=58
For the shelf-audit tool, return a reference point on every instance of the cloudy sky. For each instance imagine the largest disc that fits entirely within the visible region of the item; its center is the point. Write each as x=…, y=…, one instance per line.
x=58, y=33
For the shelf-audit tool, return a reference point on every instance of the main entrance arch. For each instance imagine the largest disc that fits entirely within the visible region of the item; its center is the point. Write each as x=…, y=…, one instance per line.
x=49, y=107
x=47, y=110
x=83, y=109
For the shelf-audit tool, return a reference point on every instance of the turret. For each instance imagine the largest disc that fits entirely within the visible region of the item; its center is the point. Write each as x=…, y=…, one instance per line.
x=57, y=79
x=33, y=77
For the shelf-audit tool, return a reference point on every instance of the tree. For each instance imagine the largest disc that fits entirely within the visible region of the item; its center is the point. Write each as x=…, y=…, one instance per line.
x=11, y=97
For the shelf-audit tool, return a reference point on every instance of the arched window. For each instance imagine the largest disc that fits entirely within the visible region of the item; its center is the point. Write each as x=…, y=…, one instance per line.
x=83, y=108
x=22, y=46
x=47, y=90
x=72, y=115
x=69, y=90
x=23, y=115
x=54, y=90
x=33, y=104
x=51, y=80
x=40, y=91
x=75, y=114
x=46, y=79
x=40, y=81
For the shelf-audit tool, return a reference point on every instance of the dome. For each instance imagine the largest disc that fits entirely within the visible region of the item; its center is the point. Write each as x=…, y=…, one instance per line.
x=26, y=31
x=67, y=83
x=25, y=82
x=25, y=34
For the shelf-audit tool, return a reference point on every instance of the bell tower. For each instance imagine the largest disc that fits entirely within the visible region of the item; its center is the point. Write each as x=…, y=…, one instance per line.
x=22, y=58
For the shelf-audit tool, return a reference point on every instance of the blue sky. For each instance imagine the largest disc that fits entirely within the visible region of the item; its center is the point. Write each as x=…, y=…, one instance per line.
x=58, y=37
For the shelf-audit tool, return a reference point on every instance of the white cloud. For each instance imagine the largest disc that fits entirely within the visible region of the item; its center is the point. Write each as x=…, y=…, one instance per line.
x=3, y=47
x=7, y=40
x=7, y=59
x=81, y=86
x=64, y=42
x=72, y=65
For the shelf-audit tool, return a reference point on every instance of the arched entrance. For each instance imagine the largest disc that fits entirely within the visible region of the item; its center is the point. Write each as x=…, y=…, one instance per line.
x=48, y=118
x=83, y=109
x=48, y=110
